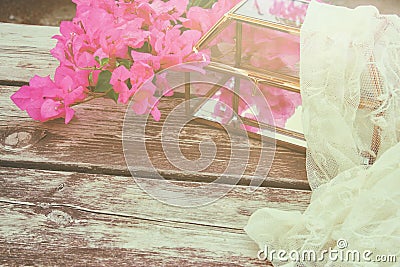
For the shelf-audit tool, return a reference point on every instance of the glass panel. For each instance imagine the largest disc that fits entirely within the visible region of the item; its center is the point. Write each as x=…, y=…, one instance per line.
x=222, y=48
x=264, y=49
x=285, y=107
x=268, y=105
x=216, y=110
x=286, y=12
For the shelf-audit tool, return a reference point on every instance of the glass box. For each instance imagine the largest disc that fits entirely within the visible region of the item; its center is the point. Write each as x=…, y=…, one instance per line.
x=257, y=43
x=255, y=54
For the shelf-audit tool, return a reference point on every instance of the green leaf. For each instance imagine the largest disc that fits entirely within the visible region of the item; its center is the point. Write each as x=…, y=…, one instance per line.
x=202, y=3
x=146, y=48
x=113, y=95
x=104, y=62
x=124, y=62
x=129, y=84
x=103, y=83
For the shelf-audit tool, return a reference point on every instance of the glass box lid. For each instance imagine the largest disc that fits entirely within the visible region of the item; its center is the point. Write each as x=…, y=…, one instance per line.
x=261, y=37
x=285, y=15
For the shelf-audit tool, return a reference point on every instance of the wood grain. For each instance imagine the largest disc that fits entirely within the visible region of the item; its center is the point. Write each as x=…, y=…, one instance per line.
x=67, y=197
x=25, y=52
x=121, y=195
x=93, y=143
x=98, y=128
x=65, y=237
x=45, y=213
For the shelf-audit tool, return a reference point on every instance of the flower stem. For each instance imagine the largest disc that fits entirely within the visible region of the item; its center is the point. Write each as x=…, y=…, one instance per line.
x=92, y=98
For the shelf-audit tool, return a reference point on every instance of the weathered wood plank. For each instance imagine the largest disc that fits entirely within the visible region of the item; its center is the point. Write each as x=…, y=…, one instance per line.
x=122, y=196
x=53, y=237
x=92, y=143
x=25, y=52
x=108, y=220
x=77, y=213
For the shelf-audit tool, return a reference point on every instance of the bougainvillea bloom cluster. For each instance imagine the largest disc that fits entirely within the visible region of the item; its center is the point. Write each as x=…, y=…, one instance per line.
x=109, y=50
x=112, y=47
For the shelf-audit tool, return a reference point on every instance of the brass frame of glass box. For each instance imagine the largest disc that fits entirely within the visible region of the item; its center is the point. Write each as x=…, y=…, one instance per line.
x=284, y=137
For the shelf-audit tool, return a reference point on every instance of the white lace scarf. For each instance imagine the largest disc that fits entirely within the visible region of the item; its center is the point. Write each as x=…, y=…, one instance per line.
x=350, y=80
x=350, y=84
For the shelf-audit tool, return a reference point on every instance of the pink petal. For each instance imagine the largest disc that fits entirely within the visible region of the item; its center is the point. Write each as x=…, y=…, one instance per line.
x=67, y=83
x=120, y=74
x=69, y=114
x=120, y=87
x=21, y=98
x=38, y=81
x=34, y=110
x=140, y=107
x=50, y=109
x=155, y=112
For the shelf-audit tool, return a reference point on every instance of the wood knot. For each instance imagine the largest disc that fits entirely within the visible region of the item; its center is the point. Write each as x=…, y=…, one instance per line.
x=20, y=140
x=60, y=218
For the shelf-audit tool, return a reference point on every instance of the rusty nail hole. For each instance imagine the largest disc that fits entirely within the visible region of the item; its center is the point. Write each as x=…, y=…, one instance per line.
x=61, y=187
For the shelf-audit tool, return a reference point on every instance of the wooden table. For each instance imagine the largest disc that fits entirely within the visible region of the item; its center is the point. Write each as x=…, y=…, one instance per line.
x=67, y=198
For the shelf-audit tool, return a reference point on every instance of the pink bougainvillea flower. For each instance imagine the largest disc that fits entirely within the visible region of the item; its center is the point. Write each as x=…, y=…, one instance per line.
x=162, y=83
x=174, y=8
x=149, y=59
x=70, y=93
x=45, y=100
x=202, y=20
x=118, y=80
x=32, y=96
x=144, y=101
x=51, y=109
x=140, y=73
x=198, y=19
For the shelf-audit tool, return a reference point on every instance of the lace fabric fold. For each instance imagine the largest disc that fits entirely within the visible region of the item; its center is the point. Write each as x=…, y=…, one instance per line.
x=360, y=206
x=350, y=85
